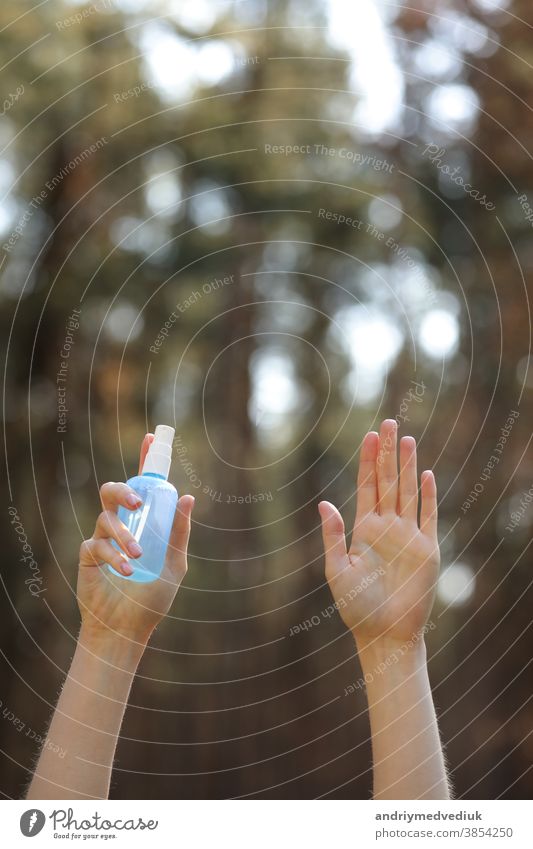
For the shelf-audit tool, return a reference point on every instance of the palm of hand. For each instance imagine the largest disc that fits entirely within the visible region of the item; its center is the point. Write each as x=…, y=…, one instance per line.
x=389, y=578
x=384, y=585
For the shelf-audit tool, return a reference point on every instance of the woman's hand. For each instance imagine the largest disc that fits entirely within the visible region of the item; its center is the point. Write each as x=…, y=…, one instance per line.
x=384, y=587
x=385, y=584
x=118, y=617
x=111, y=607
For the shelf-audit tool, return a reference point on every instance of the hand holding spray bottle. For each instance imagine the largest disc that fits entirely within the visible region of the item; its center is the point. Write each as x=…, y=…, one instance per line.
x=152, y=522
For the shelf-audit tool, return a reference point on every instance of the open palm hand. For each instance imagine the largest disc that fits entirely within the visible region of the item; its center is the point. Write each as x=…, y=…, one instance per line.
x=384, y=584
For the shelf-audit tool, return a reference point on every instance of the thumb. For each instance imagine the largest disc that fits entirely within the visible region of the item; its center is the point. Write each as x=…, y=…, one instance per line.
x=176, y=559
x=334, y=539
x=145, y=445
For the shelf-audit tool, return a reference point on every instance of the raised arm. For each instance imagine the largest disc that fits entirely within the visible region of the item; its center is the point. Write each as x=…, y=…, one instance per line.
x=385, y=586
x=118, y=618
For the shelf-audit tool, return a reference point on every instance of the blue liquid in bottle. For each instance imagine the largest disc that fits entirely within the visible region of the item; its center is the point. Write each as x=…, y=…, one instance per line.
x=151, y=523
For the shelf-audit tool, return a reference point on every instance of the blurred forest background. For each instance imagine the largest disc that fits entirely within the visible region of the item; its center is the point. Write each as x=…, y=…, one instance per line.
x=143, y=158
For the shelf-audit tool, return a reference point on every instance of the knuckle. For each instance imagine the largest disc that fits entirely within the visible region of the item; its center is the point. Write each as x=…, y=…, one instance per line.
x=104, y=519
x=85, y=547
x=87, y=553
x=104, y=489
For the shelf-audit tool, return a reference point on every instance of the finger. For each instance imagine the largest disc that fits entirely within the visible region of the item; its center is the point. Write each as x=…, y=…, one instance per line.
x=387, y=467
x=176, y=559
x=428, y=512
x=145, y=445
x=114, y=495
x=108, y=525
x=408, y=498
x=367, y=484
x=334, y=539
x=94, y=552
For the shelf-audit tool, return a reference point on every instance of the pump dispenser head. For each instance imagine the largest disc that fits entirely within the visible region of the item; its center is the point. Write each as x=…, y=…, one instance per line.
x=159, y=455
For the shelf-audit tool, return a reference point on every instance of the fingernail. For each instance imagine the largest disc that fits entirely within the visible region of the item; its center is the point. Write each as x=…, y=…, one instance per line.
x=134, y=548
x=126, y=568
x=133, y=499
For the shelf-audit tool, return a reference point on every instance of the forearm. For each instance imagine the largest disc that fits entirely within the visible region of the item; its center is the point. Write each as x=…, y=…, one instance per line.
x=406, y=748
x=87, y=720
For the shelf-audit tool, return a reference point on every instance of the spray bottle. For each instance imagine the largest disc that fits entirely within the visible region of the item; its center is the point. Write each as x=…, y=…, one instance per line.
x=152, y=522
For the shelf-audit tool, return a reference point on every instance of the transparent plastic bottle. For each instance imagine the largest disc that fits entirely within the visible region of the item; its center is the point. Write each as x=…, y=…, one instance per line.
x=152, y=522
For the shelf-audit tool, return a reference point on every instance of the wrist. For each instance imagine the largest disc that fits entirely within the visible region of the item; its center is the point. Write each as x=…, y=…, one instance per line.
x=386, y=653
x=111, y=647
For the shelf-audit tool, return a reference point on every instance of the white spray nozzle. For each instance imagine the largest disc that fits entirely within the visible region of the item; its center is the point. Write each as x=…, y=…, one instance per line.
x=160, y=452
